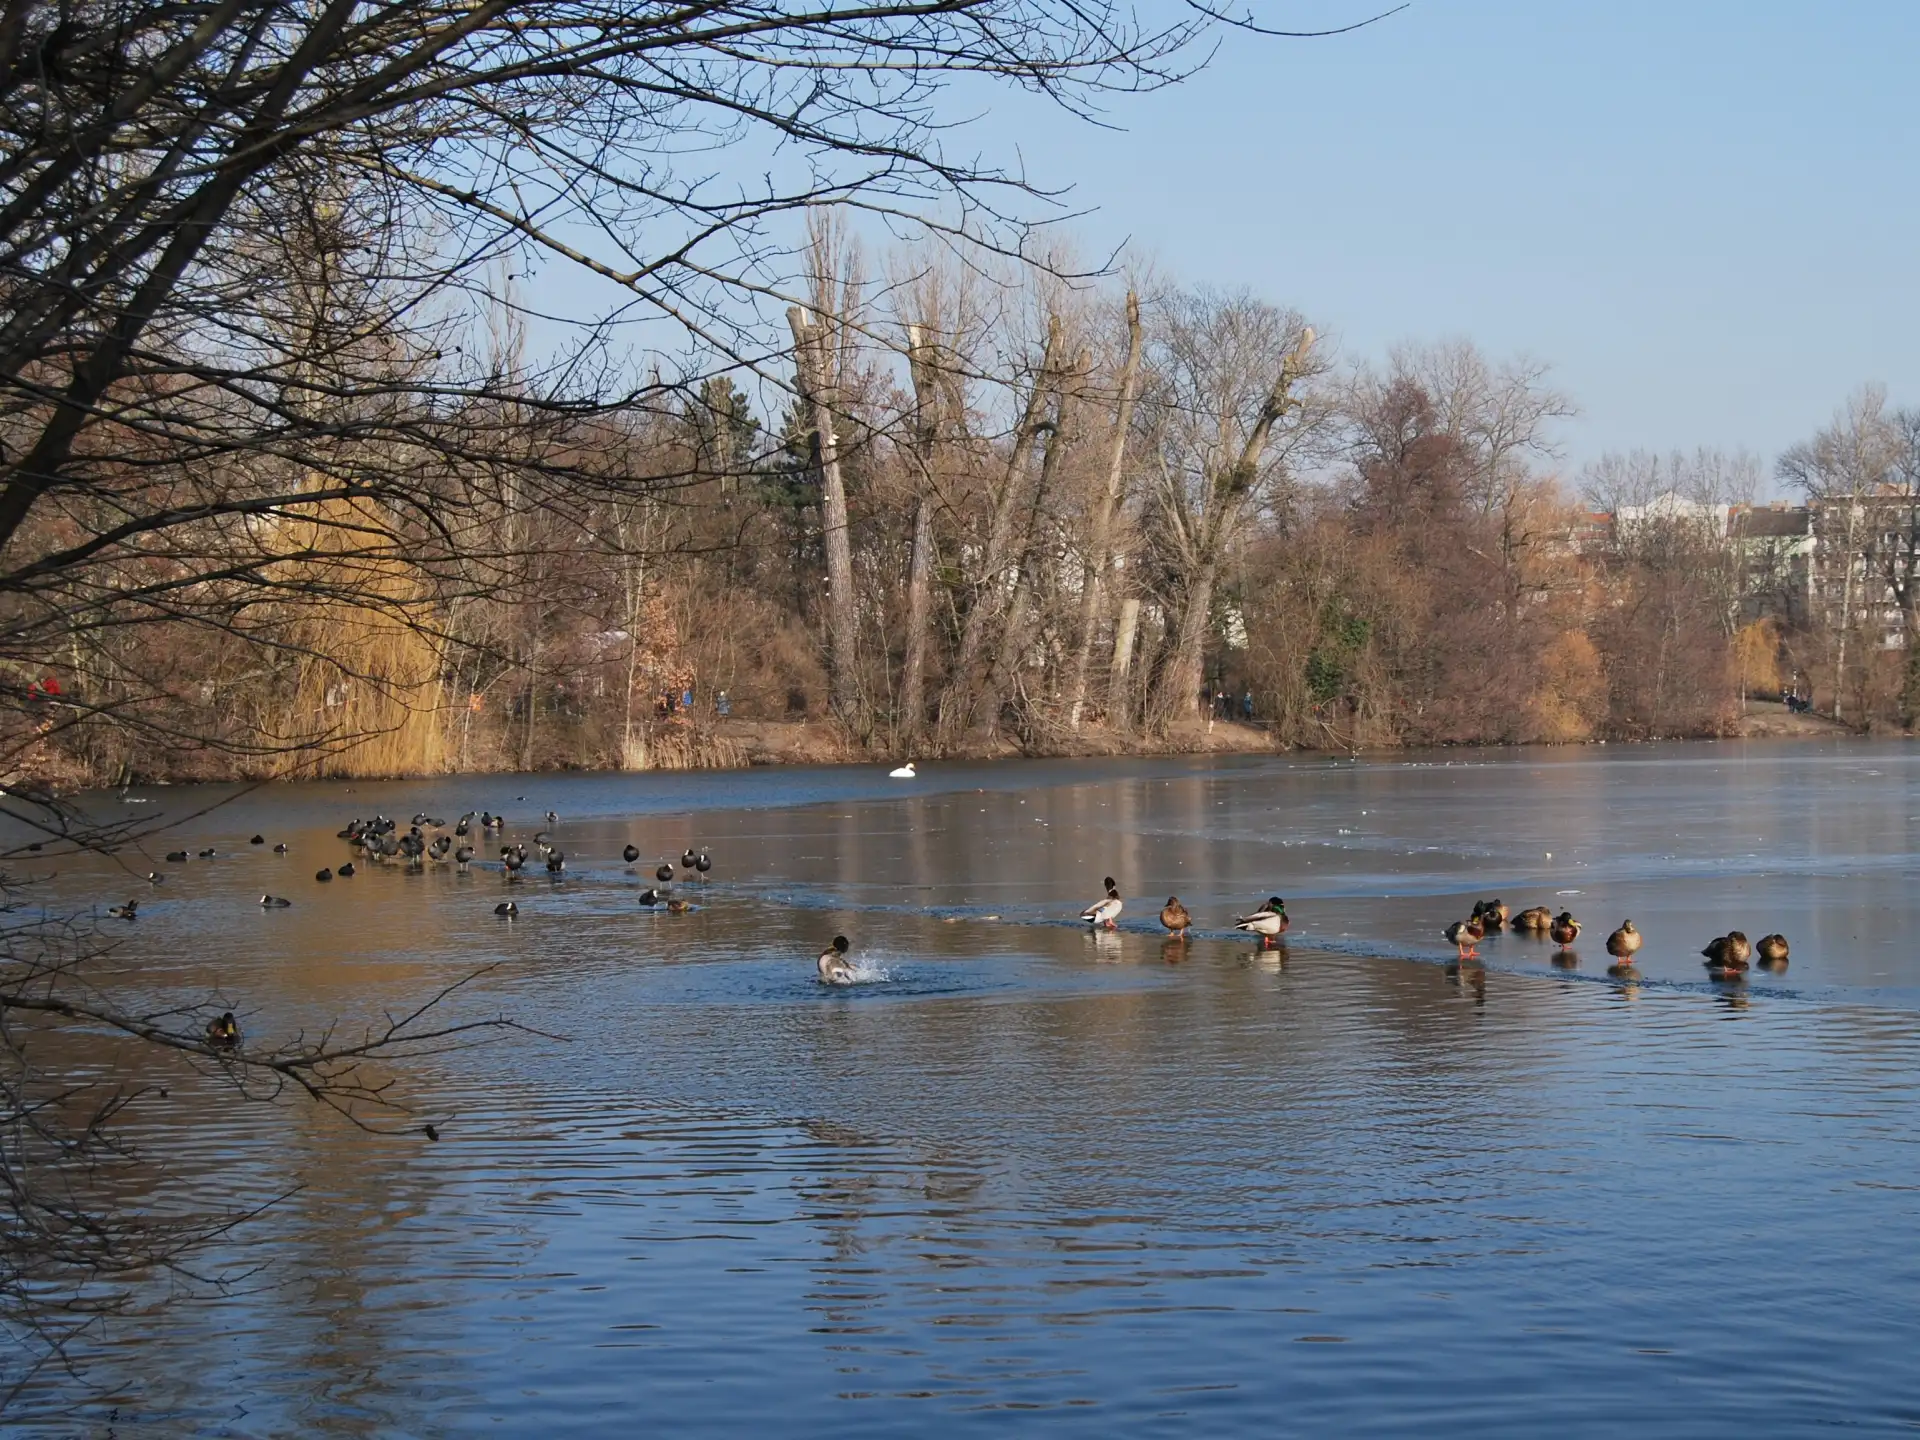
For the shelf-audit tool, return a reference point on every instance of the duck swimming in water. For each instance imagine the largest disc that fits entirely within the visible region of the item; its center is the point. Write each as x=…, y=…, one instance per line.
x=274, y=902
x=1624, y=943
x=345, y=872
x=1269, y=922
x=680, y=907
x=1466, y=936
x=1104, y=912
x=1174, y=915
x=124, y=912
x=833, y=965
x=1564, y=930
x=323, y=875
x=1535, y=921
x=223, y=1032
x=506, y=908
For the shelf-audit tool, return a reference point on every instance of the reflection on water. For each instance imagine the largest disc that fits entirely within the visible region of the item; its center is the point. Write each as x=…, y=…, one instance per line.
x=1120, y=1179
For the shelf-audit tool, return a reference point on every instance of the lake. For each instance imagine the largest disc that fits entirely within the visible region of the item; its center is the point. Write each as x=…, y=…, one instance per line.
x=1127, y=1185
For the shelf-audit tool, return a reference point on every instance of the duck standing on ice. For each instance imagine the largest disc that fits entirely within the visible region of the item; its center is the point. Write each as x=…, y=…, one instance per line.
x=1104, y=912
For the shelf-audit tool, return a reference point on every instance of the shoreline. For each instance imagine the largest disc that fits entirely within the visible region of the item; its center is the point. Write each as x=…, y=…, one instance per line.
x=737, y=744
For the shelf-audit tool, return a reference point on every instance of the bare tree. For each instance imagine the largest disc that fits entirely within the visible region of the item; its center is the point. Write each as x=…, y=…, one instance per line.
x=1225, y=370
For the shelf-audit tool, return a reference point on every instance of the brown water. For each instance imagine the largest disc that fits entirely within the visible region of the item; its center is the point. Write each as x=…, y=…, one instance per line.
x=1115, y=1181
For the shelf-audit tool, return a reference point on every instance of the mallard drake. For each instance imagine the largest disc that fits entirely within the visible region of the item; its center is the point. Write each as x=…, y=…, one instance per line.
x=1727, y=955
x=1535, y=921
x=1772, y=950
x=345, y=872
x=506, y=908
x=1624, y=943
x=1564, y=930
x=1104, y=912
x=665, y=873
x=274, y=902
x=323, y=875
x=124, y=912
x=630, y=854
x=834, y=967
x=1467, y=934
x=1174, y=915
x=1492, y=914
x=223, y=1032
x=679, y=907
x=1269, y=922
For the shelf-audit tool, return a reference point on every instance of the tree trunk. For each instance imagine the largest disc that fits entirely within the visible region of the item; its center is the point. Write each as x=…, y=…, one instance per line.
x=1119, y=711
x=812, y=373
x=913, y=698
x=956, y=698
x=1099, y=539
x=1013, y=633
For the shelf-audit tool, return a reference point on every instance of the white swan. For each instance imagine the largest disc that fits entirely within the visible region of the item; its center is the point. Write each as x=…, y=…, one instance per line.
x=905, y=772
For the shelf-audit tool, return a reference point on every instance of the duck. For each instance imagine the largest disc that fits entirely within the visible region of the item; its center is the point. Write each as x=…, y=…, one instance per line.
x=1493, y=915
x=630, y=854
x=1269, y=922
x=506, y=908
x=1174, y=915
x=274, y=902
x=1564, y=930
x=1104, y=912
x=904, y=772
x=323, y=875
x=345, y=872
x=1624, y=943
x=223, y=1032
x=1772, y=950
x=1533, y=921
x=124, y=912
x=833, y=965
x=1727, y=955
x=665, y=873
x=1466, y=935
x=679, y=907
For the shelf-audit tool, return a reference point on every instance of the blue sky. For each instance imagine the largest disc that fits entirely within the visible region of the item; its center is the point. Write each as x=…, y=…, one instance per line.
x=1704, y=215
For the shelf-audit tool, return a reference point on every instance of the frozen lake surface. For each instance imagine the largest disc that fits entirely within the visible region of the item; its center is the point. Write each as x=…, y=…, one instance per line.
x=1130, y=1185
